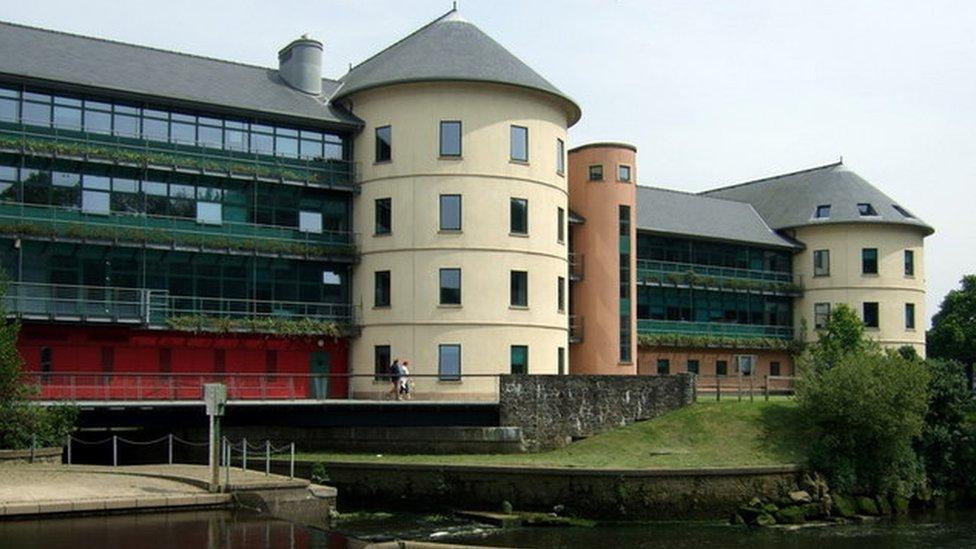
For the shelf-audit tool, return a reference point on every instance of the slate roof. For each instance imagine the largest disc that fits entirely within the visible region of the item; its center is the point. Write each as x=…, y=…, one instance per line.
x=449, y=49
x=127, y=69
x=692, y=215
x=790, y=200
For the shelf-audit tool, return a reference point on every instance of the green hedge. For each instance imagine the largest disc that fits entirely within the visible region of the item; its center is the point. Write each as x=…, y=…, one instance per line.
x=692, y=279
x=725, y=342
x=269, y=325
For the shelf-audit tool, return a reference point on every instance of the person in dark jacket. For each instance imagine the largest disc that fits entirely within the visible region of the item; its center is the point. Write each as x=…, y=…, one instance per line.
x=395, y=374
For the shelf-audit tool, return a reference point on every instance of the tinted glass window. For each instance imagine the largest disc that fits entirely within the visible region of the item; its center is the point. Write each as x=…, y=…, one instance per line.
x=520, y=359
x=822, y=211
x=869, y=261
x=519, y=211
x=623, y=173
x=381, y=361
x=209, y=212
x=384, y=144
x=450, y=138
x=595, y=172
x=520, y=143
x=909, y=263
x=450, y=212
x=384, y=215
x=519, y=289
x=449, y=363
x=381, y=296
x=67, y=117
x=821, y=262
x=909, y=316
x=663, y=366
x=560, y=156
x=450, y=282
x=310, y=222
x=98, y=122
x=870, y=315
x=95, y=202
x=9, y=109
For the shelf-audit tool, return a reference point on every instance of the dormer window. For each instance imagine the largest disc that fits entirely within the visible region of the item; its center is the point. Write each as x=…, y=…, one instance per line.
x=822, y=211
x=902, y=211
x=865, y=208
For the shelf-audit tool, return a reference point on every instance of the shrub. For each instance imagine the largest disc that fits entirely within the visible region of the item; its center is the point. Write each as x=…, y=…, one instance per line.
x=948, y=438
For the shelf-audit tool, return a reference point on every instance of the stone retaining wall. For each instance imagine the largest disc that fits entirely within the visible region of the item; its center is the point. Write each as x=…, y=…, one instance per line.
x=37, y=455
x=553, y=410
x=665, y=494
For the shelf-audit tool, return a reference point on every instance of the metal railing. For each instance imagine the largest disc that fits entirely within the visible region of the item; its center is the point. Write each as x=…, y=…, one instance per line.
x=50, y=221
x=66, y=302
x=193, y=157
x=242, y=386
x=653, y=265
x=577, y=266
x=744, y=386
x=576, y=328
x=648, y=326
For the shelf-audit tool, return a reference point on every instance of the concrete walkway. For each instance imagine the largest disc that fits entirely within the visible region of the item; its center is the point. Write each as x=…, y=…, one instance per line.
x=42, y=489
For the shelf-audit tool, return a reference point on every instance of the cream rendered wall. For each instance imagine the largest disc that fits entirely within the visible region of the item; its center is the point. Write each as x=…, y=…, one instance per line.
x=484, y=325
x=890, y=288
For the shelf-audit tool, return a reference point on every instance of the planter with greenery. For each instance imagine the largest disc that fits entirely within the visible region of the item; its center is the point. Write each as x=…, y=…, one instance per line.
x=694, y=280
x=297, y=327
x=714, y=341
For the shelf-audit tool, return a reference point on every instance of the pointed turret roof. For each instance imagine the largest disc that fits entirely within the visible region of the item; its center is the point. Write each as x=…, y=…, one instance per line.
x=449, y=48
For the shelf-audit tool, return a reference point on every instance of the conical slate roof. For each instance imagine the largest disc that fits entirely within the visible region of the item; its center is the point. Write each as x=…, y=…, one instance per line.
x=791, y=200
x=449, y=49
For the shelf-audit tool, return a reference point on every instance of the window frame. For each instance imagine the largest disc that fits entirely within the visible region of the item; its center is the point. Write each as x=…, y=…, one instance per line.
x=594, y=172
x=511, y=146
x=865, y=262
x=524, y=231
x=665, y=364
x=460, y=215
x=620, y=170
x=816, y=315
x=875, y=307
x=514, y=292
x=693, y=362
x=511, y=359
x=561, y=294
x=560, y=225
x=910, y=316
x=460, y=139
x=821, y=270
x=381, y=370
x=440, y=284
x=382, y=289
x=865, y=209
x=909, y=260
x=560, y=156
x=377, y=227
x=380, y=142
x=441, y=376
x=821, y=207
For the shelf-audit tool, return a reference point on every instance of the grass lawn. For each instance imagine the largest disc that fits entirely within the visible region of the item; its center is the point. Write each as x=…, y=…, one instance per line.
x=705, y=434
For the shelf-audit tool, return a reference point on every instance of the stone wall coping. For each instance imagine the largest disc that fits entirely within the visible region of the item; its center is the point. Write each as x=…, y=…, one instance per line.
x=51, y=451
x=570, y=471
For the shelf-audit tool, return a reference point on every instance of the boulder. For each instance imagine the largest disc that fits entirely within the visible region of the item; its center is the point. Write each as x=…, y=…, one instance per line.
x=765, y=520
x=866, y=505
x=884, y=507
x=770, y=508
x=737, y=520
x=844, y=506
x=800, y=496
x=749, y=513
x=792, y=515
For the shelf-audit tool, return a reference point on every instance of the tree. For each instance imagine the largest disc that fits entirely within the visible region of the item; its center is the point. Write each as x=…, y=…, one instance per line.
x=948, y=438
x=953, y=333
x=842, y=335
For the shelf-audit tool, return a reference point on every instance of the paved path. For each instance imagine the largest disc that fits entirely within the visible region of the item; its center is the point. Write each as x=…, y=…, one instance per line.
x=41, y=489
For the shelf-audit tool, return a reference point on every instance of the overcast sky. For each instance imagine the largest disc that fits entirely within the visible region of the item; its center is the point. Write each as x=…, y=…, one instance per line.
x=712, y=93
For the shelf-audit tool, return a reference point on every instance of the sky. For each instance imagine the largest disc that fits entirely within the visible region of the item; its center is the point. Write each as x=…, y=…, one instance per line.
x=711, y=93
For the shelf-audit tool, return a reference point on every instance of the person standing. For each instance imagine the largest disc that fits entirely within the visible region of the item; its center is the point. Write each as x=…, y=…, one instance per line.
x=405, y=380
x=395, y=379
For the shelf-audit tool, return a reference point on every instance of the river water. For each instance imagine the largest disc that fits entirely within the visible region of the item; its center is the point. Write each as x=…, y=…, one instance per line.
x=186, y=530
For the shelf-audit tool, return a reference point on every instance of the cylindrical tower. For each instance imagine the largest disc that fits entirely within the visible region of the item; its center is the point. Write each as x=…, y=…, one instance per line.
x=462, y=211
x=602, y=183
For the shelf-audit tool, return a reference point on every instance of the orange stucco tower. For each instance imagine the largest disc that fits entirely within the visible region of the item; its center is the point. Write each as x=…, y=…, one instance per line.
x=603, y=237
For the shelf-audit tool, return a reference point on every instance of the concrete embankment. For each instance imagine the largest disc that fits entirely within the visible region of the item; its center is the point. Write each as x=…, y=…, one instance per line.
x=623, y=494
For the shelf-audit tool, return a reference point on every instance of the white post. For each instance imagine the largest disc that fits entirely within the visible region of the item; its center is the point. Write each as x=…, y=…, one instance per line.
x=267, y=457
x=214, y=397
x=115, y=450
x=170, y=449
x=227, y=452
x=244, y=449
x=291, y=466
x=69, y=449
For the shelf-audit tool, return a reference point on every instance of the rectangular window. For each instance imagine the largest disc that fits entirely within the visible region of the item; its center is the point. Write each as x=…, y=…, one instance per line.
x=623, y=173
x=909, y=263
x=746, y=364
x=519, y=222
x=384, y=216
x=520, y=144
x=561, y=361
x=560, y=156
x=692, y=366
x=774, y=368
x=822, y=211
x=821, y=314
x=384, y=144
x=381, y=293
x=560, y=225
x=663, y=366
x=721, y=367
x=561, y=294
x=95, y=202
x=596, y=172
x=870, y=313
x=451, y=138
x=450, y=280
x=909, y=316
x=450, y=212
x=310, y=222
x=449, y=363
x=520, y=359
x=209, y=213
x=625, y=280
x=381, y=362
x=821, y=263
x=869, y=261
x=519, y=289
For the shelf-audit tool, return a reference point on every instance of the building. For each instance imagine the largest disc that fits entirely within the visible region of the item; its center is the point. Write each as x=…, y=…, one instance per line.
x=165, y=214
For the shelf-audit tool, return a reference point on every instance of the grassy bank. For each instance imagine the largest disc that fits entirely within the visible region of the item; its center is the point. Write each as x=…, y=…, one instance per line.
x=705, y=434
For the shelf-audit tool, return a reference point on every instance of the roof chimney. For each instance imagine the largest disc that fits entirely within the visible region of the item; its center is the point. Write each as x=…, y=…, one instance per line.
x=300, y=65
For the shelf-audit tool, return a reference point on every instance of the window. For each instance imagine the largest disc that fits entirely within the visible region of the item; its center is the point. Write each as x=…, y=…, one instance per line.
x=560, y=156
x=560, y=225
x=623, y=173
x=596, y=172
x=561, y=360
x=331, y=278
x=865, y=208
x=821, y=263
x=95, y=202
x=909, y=316
x=520, y=289
x=520, y=359
x=909, y=263
x=520, y=144
x=561, y=294
x=624, y=226
x=902, y=211
x=822, y=211
x=450, y=286
x=384, y=216
x=821, y=314
x=869, y=261
x=450, y=212
x=746, y=364
x=663, y=366
x=384, y=144
x=310, y=222
x=451, y=138
x=721, y=367
x=381, y=362
x=692, y=366
x=774, y=368
x=209, y=213
x=870, y=314
x=381, y=293
x=519, y=222
x=46, y=362
x=449, y=363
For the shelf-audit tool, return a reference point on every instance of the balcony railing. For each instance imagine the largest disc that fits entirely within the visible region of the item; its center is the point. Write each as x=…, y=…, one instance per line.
x=190, y=157
x=667, y=273
x=43, y=221
x=577, y=266
x=160, y=309
x=576, y=329
x=648, y=326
